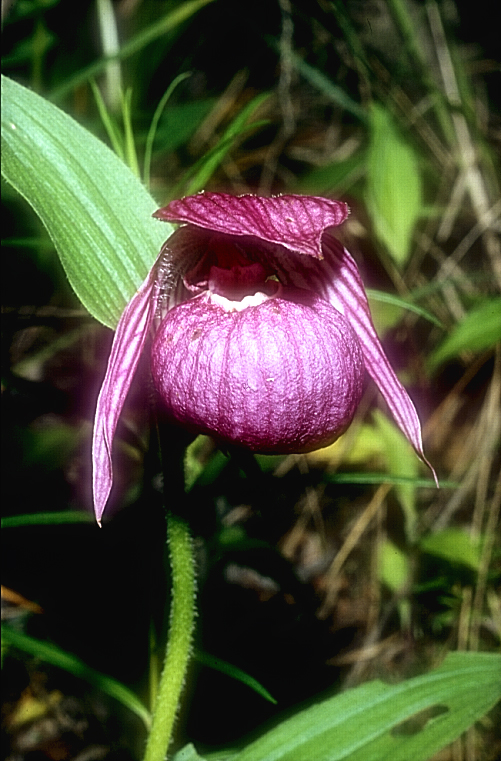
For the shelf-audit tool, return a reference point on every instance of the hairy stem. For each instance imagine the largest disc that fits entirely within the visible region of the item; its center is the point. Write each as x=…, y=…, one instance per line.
x=179, y=643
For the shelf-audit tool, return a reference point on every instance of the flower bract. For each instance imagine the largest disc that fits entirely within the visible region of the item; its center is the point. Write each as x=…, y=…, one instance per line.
x=260, y=330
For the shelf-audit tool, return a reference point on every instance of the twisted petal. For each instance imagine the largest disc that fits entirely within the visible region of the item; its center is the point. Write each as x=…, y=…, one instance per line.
x=338, y=280
x=296, y=222
x=128, y=343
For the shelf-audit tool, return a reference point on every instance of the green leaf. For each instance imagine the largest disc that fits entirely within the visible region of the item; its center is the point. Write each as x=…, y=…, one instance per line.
x=57, y=657
x=480, y=329
x=455, y=546
x=97, y=213
x=394, y=195
x=367, y=723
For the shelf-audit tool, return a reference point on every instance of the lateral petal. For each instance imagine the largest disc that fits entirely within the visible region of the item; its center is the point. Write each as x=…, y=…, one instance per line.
x=130, y=336
x=338, y=280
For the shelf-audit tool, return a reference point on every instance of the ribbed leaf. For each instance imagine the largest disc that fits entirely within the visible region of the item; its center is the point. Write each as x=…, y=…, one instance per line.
x=96, y=211
x=371, y=722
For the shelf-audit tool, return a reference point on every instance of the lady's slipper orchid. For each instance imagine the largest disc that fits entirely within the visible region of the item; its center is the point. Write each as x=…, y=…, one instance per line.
x=262, y=330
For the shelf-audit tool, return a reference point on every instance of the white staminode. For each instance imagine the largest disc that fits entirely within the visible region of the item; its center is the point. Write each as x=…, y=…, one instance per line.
x=252, y=300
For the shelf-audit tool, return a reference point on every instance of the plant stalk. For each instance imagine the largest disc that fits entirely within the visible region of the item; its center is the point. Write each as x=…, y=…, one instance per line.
x=179, y=642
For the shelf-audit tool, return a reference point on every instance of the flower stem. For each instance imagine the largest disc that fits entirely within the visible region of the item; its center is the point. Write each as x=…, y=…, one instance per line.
x=179, y=643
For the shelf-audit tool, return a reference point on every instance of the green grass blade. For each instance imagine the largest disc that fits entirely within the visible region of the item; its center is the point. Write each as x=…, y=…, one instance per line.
x=129, y=142
x=114, y=136
x=199, y=173
x=234, y=672
x=150, y=139
x=385, y=478
x=390, y=298
x=208, y=164
x=110, y=43
x=57, y=657
x=335, y=93
x=152, y=32
x=61, y=518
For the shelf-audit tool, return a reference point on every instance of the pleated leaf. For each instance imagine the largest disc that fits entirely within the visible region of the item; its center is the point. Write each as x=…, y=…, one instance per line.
x=378, y=722
x=97, y=213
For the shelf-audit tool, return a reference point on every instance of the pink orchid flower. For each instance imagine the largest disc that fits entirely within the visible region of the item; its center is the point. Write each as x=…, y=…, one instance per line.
x=262, y=331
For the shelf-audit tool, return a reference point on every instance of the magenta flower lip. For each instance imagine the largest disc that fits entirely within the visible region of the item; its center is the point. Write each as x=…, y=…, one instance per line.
x=248, y=379
x=262, y=330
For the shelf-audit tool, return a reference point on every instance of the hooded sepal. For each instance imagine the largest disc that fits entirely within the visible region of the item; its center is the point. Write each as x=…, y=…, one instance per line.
x=293, y=221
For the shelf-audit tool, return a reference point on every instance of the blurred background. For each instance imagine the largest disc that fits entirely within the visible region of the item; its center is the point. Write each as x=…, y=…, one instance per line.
x=316, y=571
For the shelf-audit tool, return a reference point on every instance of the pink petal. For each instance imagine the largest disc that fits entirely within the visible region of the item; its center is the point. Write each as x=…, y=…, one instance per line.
x=128, y=343
x=338, y=280
x=296, y=222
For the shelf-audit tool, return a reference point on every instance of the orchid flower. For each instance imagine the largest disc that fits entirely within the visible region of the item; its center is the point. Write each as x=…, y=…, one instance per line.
x=261, y=331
